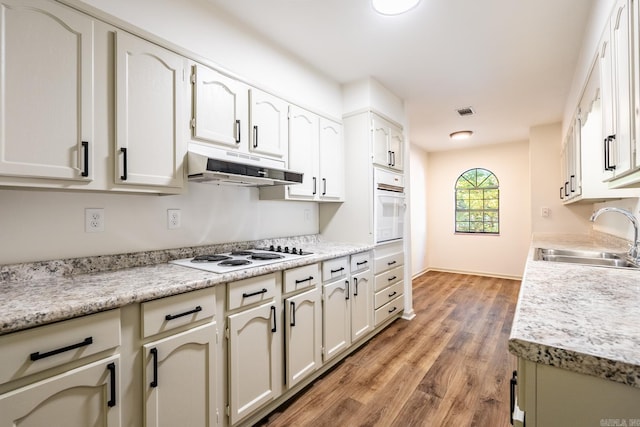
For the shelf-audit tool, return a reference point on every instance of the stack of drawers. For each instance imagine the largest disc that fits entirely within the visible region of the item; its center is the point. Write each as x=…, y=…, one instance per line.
x=389, y=283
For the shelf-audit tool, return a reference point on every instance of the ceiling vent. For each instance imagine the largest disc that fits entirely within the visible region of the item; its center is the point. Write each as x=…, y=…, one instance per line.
x=466, y=111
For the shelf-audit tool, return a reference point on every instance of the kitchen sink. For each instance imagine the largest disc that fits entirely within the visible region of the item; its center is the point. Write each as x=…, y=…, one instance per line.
x=595, y=258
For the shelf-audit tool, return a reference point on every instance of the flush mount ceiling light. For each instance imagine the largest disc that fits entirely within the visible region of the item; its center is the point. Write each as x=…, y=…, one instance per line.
x=461, y=134
x=393, y=7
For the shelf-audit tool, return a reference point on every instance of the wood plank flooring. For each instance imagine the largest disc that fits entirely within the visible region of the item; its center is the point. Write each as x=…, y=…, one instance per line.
x=449, y=366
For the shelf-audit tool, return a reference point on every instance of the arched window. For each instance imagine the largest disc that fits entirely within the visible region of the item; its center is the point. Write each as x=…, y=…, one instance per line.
x=477, y=202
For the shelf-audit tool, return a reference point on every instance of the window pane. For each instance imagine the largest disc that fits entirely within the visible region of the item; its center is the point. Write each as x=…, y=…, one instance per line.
x=482, y=177
x=490, y=181
x=470, y=176
x=462, y=216
x=491, y=204
x=462, y=194
x=491, y=216
x=476, y=204
x=490, y=227
x=491, y=194
x=476, y=194
x=462, y=205
x=462, y=226
x=477, y=227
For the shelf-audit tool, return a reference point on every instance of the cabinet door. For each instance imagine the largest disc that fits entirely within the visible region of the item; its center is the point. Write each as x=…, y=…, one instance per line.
x=255, y=351
x=380, y=140
x=303, y=151
x=607, y=97
x=46, y=104
x=83, y=397
x=396, y=148
x=303, y=336
x=361, y=304
x=268, y=117
x=149, y=139
x=336, y=319
x=179, y=379
x=220, y=108
x=331, y=149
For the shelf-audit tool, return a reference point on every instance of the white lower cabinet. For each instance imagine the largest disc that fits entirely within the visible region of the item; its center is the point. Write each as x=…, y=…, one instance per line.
x=361, y=304
x=180, y=379
x=254, y=346
x=83, y=397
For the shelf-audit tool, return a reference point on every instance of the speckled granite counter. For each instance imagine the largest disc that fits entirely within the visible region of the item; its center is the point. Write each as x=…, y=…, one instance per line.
x=44, y=292
x=580, y=318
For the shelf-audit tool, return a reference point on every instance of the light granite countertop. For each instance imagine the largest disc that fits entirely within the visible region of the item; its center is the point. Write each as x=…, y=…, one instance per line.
x=34, y=294
x=581, y=318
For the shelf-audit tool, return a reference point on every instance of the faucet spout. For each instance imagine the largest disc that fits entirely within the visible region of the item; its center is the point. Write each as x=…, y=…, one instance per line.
x=634, y=250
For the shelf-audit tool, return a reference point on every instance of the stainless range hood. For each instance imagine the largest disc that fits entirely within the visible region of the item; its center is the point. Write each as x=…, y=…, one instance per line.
x=215, y=166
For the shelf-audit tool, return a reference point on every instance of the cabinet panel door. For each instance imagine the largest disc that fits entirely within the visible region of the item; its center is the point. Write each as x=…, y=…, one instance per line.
x=380, y=140
x=81, y=397
x=303, y=151
x=396, y=148
x=303, y=336
x=255, y=351
x=268, y=116
x=185, y=386
x=221, y=109
x=336, y=318
x=331, y=149
x=361, y=304
x=46, y=104
x=149, y=88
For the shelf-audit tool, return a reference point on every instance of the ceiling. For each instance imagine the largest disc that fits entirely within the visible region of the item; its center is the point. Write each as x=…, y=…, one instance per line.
x=511, y=60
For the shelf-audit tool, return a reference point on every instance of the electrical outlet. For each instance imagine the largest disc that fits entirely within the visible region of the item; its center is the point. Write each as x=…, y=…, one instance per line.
x=173, y=219
x=94, y=220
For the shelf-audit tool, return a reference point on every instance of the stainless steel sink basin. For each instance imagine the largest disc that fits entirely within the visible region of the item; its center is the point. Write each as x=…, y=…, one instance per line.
x=595, y=258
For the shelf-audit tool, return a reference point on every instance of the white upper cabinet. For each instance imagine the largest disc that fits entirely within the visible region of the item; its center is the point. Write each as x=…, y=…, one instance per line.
x=331, y=151
x=387, y=144
x=303, y=151
x=268, y=124
x=150, y=143
x=220, y=109
x=46, y=104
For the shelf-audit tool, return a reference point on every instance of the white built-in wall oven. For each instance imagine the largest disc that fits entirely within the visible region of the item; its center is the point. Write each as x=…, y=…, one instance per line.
x=389, y=205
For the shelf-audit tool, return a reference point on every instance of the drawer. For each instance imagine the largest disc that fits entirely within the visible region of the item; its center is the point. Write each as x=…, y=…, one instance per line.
x=35, y=350
x=172, y=312
x=250, y=291
x=301, y=278
x=360, y=262
x=388, y=310
x=334, y=269
x=389, y=277
x=388, y=261
x=384, y=296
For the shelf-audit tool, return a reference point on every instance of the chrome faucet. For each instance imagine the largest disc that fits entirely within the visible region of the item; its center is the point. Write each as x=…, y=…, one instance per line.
x=634, y=248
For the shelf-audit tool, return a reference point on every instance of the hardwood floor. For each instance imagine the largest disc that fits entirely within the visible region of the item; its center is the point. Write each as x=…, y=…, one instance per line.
x=449, y=366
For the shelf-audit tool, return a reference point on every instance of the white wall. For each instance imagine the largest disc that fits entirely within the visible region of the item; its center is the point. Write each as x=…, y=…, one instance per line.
x=502, y=255
x=418, y=159
x=544, y=158
x=615, y=223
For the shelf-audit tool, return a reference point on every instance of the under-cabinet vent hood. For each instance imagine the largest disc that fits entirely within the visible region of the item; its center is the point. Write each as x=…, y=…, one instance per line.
x=215, y=166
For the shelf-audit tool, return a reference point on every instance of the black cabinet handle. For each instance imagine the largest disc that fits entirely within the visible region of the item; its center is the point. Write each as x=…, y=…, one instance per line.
x=571, y=186
x=123, y=150
x=561, y=193
x=154, y=356
x=391, y=262
x=253, y=294
x=388, y=158
x=355, y=290
x=314, y=186
x=393, y=158
x=292, y=312
x=392, y=294
x=392, y=278
x=273, y=314
x=393, y=309
x=362, y=263
x=255, y=136
x=566, y=189
x=308, y=279
x=85, y=149
x=346, y=288
x=339, y=269
x=112, y=385
x=186, y=313
x=237, y=131
x=512, y=395
x=607, y=153
x=37, y=355
x=324, y=186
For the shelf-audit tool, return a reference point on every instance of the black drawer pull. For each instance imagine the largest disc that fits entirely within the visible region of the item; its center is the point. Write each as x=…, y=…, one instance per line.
x=293, y=314
x=37, y=355
x=124, y=175
x=392, y=294
x=393, y=309
x=339, y=269
x=112, y=384
x=308, y=279
x=355, y=292
x=391, y=263
x=512, y=394
x=273, y=314
x=361, y=263
x=253, y=294
x=85, y=146
x=392, y=278
x=186, y=313
x=154, y=355
x=237, y=131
